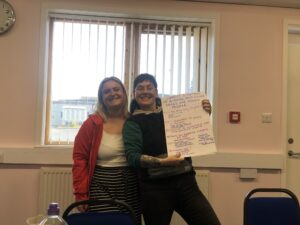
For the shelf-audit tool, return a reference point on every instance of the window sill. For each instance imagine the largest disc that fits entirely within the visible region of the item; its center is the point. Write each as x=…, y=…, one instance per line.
x=50, y=155
x=62, y=155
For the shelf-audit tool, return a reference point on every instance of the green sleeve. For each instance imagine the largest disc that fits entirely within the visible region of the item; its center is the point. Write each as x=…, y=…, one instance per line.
x=133, y=142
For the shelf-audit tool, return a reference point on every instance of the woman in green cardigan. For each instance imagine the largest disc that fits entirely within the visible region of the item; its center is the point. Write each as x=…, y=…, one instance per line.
x=167, y=183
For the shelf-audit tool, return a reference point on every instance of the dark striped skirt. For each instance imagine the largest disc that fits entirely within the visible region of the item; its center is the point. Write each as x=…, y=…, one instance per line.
x=115, y=183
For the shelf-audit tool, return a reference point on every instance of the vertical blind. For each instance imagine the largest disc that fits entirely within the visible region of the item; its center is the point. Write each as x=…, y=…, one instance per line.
x=172, y=53
x=83, y=50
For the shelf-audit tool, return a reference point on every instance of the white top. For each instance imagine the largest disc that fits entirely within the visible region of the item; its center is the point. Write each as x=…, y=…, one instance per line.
x=111, y=151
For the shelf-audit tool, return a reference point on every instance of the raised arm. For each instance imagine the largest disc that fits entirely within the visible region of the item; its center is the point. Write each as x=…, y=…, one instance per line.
x=206, y=106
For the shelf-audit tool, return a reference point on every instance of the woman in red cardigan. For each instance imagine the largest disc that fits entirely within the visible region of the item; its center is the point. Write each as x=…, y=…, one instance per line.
x=100, y=169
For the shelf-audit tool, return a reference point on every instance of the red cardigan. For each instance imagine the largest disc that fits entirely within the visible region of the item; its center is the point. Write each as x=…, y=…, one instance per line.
x=86, y=146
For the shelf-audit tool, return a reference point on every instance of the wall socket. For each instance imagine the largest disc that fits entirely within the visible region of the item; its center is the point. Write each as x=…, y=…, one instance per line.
x=248, y=173
x=266, y=117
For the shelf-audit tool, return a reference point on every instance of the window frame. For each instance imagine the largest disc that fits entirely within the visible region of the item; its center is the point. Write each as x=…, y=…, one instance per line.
x=44, y=81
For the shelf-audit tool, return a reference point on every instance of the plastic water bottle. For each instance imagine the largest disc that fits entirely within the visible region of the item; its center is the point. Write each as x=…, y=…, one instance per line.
x=53, y=217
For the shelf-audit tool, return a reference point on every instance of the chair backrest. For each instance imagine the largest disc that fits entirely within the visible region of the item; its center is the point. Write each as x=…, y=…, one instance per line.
x=126, y=217
x=282, y=210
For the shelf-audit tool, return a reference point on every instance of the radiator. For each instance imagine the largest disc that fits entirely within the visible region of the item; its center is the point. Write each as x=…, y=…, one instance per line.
x=55, y=185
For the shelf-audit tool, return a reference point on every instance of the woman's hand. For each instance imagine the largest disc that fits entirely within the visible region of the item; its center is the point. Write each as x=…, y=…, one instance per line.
x=82, y=208
x=172, y=160
x=206, y=106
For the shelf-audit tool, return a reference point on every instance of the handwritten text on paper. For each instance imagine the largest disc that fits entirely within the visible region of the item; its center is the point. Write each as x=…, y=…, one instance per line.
x=187, y=125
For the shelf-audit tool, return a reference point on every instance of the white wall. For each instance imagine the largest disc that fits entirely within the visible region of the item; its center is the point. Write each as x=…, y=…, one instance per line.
x=249, y=73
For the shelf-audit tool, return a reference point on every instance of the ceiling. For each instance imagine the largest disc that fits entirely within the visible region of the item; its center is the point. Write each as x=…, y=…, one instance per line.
x=271, y=3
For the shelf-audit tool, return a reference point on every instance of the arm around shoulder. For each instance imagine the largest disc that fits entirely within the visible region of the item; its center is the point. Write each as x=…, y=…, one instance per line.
x=133, y=143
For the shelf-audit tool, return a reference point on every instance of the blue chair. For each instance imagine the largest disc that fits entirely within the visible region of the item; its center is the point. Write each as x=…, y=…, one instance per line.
x=124, y=217
x=281, y=210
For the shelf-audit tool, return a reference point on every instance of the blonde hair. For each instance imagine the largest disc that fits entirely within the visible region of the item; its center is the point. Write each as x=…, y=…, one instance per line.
x=102, y=110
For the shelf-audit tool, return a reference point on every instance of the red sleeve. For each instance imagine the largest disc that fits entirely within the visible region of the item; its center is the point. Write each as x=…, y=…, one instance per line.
x=81, y=155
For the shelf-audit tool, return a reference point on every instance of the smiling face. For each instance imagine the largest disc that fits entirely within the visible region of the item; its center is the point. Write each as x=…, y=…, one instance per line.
x=113, y=96
x=145, y=94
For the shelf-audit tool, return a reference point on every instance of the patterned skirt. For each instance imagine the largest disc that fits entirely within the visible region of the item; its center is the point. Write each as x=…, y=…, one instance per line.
x=116, y=183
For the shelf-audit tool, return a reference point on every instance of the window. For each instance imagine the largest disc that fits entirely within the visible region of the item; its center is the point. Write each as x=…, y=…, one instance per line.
x=85, y=49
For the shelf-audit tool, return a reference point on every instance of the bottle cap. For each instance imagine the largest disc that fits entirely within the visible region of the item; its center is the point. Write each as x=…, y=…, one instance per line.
x=53, y=209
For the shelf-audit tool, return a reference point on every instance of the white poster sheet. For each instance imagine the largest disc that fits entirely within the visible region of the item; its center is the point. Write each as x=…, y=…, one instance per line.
x=187, y=125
